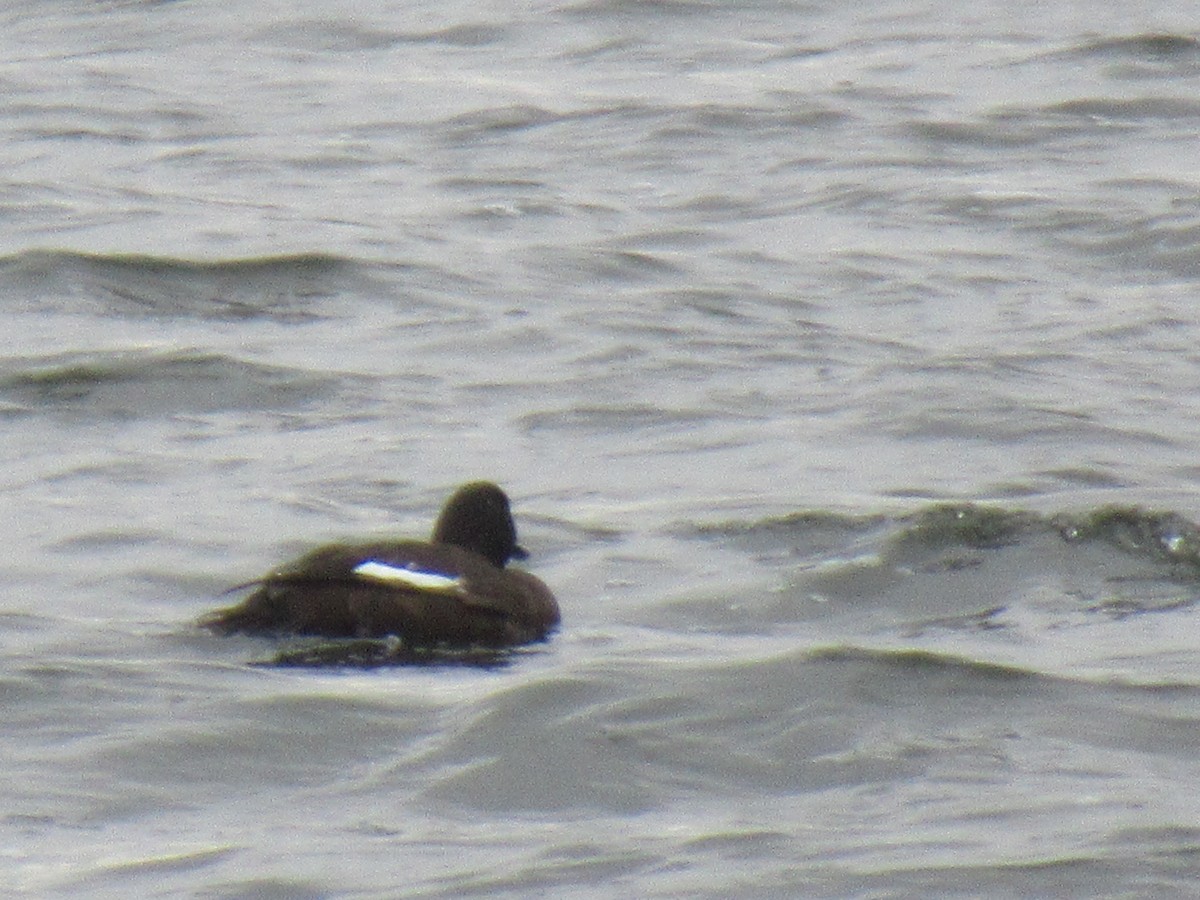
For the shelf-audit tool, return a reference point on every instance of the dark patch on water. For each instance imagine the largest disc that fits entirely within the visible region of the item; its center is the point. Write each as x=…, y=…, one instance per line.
x=368, y=653
x=978, y=527
x=1164, y=536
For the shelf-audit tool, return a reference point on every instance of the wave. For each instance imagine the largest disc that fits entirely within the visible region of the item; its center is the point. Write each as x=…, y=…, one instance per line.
x=287, y=288
x=1156, y=534
x=339, y=36
x=128, y=384
x=1150, y=46
x=971, y=574
x=1115, y=109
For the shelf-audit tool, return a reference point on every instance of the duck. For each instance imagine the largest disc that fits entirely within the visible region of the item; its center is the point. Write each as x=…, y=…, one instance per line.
x=454, y=590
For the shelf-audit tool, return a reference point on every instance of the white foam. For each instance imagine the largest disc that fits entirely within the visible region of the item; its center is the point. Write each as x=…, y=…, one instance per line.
x=414, y=578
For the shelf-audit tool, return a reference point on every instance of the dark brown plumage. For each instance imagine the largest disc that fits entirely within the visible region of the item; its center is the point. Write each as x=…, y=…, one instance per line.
x=451, y=591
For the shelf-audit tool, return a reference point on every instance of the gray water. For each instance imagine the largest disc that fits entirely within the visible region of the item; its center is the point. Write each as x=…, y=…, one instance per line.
x=841, y=364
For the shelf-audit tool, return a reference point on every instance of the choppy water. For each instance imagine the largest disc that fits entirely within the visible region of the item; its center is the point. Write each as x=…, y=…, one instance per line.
x=840, y=363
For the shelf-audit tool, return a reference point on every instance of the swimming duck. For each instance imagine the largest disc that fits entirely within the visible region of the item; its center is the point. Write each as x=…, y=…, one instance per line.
x=453, y=590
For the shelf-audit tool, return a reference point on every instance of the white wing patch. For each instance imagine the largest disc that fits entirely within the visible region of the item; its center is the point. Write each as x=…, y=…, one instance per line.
x=403, y=577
